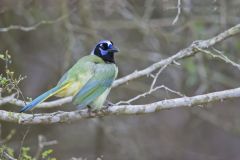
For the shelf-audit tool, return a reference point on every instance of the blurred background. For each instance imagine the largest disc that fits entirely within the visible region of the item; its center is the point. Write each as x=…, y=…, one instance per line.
x=55, y=34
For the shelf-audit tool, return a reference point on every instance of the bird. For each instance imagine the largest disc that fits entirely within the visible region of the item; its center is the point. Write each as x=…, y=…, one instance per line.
x=89, y=81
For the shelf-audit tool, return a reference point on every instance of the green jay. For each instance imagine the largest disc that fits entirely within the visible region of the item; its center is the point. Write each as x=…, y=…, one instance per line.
x=88, y=81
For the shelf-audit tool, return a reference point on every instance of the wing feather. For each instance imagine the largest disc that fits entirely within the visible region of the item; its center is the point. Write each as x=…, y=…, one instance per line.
x=101, y=80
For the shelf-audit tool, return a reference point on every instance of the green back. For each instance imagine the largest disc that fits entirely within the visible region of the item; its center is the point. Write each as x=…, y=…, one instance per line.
x=82, y=71
x=102, y=79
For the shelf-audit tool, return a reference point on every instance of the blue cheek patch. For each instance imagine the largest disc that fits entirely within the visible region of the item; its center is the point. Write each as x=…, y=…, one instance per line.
x=103, y=52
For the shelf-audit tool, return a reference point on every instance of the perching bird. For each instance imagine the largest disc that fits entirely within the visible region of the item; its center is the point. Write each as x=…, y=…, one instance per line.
x=89, y=80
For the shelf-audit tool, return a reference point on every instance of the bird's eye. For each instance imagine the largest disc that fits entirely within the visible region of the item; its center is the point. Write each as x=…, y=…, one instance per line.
x=104, y=46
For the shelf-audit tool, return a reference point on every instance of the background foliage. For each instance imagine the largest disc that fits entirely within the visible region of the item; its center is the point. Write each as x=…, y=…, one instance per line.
x=44, y=38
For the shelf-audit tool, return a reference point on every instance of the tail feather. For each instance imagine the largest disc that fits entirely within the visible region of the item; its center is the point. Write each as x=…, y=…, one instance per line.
x=41, y=98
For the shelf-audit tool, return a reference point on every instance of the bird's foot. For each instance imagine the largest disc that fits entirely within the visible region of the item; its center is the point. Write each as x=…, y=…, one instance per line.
x=109, y=104
x=105, y=109
x=89, y=110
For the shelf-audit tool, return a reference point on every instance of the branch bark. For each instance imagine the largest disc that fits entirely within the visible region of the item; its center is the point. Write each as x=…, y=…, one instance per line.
x=33, y=27
x=61, y=117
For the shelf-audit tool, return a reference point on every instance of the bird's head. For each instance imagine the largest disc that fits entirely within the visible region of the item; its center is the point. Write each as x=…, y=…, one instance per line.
x=105, y=49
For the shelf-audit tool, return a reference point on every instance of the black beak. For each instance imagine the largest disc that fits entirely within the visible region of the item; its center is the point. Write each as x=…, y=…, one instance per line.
x=113, y=49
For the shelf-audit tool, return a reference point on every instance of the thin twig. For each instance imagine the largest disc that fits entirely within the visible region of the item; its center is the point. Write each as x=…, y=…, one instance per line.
x=23, y=139
x=148, y=93
x=179, y=6
x=42, y=142
x=220, y=56
x=7, y=156
x=156, y=76
x=33, y=27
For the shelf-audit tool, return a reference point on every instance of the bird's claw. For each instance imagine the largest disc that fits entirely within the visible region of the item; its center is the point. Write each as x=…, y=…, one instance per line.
x=109, y=104
x=89, y=110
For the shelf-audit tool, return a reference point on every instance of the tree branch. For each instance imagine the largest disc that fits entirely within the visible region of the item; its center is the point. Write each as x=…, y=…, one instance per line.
x=7, y=156
x=61, y=117
x=33, y=27
x=178, y=12
x=189, y=51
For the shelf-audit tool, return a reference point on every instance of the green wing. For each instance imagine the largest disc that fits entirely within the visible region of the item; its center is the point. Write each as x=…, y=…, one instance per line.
x=63, y=78
x=82, y=70
x=102, y=79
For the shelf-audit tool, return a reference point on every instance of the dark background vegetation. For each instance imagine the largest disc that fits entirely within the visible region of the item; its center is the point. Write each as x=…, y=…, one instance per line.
x=144, y=33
